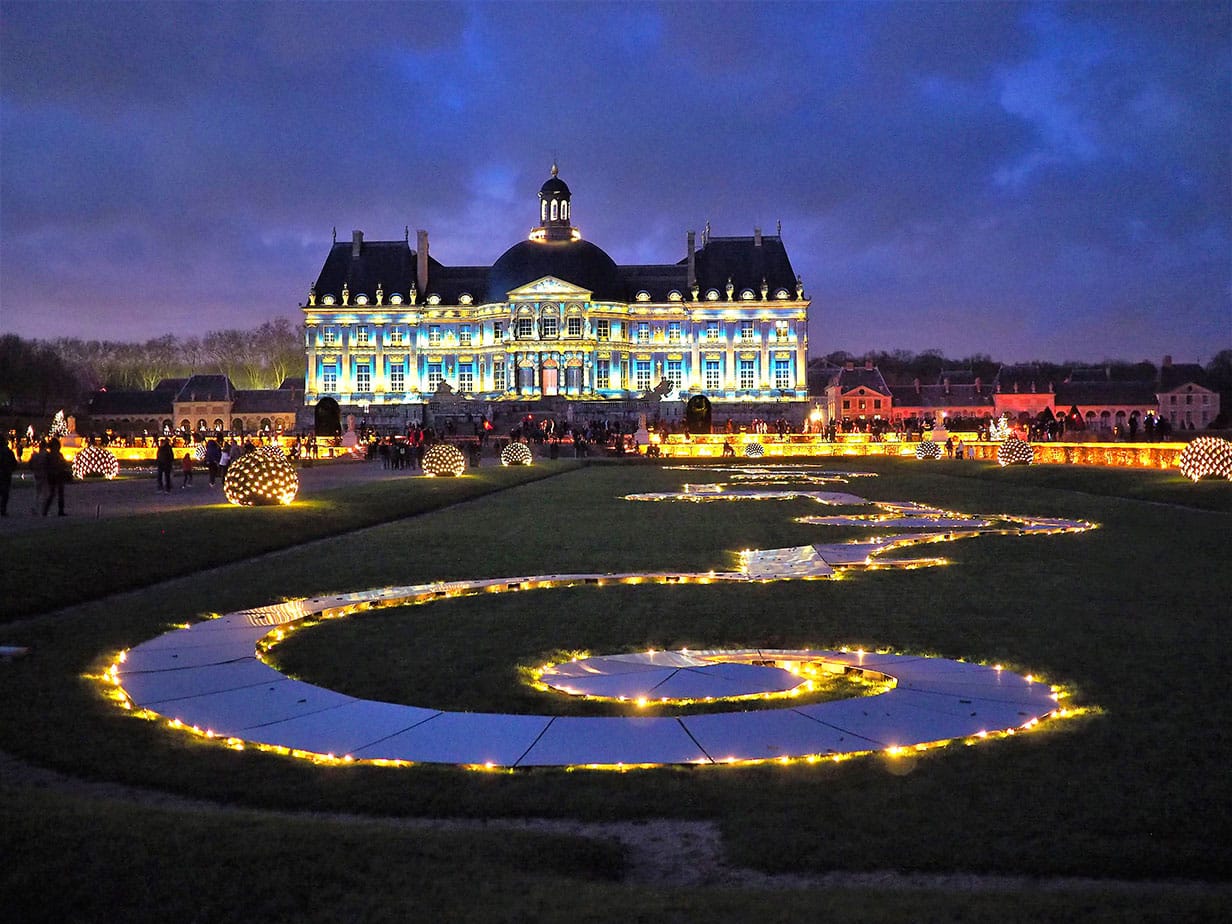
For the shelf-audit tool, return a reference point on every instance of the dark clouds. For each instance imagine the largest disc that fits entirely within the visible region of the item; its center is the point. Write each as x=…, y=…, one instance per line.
x=1024, y=180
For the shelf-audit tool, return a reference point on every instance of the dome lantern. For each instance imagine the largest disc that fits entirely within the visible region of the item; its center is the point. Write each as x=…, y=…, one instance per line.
x=554, y=208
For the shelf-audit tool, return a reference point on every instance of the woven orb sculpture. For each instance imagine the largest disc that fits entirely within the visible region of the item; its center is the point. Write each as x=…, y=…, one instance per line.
x=95, y=460
x=754, y=450
x=1206, y=457
x=260, y=479
x=444, y=461
x=515, y=454
x=928, y=450
x=199, y=452
x=273, y=451
x=1015, y=452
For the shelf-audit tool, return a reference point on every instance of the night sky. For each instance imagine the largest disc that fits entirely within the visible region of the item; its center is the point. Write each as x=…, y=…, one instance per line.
x=1041, y=181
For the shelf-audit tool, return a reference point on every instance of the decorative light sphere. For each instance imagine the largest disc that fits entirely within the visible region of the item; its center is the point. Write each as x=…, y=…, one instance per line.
x=754, y=450
x=928, y=450
x=199, y=452
x=443, y=460
x=515, y=454
x=1015, y=451
x=1206, y=457
x=260, y=479
x=273, y=451
x=95, y=460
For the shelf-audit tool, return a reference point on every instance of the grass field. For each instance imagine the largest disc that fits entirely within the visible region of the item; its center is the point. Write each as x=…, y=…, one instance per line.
x=1130, y=616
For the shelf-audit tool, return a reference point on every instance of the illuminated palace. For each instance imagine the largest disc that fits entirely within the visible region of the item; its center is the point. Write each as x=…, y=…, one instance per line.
x=556, y=322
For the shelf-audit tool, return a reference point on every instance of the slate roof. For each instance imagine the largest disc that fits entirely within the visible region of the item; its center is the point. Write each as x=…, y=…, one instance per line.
x=206, y=388
x=267, y=401
x=1106, y=393
x=1029, y=379
x=130, y=403
x=393, y=264
x=977, y=400
x=859, y=377
x=1176, y=375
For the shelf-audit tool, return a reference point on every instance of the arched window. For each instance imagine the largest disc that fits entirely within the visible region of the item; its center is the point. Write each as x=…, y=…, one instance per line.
x=543, y=210
x=265, y=424
x=200, y=424
x=218, y=423
x=564, y=210
x=186, y=426
x=555, y=210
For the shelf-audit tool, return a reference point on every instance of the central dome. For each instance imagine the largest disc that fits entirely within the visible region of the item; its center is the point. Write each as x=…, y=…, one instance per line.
x=578, y=262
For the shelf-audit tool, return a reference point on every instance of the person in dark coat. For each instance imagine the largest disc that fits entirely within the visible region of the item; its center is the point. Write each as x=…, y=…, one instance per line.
x=59, y=473
x=165, y=459
x=8, y=462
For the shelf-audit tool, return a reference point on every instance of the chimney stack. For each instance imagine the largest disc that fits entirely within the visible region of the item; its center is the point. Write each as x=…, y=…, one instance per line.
x=421, y=260
x=1167, y=360
x=357, y=243
x=757, y=237
x=692, y=259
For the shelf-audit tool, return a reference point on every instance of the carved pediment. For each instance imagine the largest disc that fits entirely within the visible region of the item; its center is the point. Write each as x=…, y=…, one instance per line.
x=549, y=287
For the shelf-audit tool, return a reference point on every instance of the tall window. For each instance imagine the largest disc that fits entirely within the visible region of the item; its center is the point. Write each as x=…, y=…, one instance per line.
x=550, y=327
x=434, y=376
x=746, y=330
x=641, y=374
x=498, y=331
x=361, y=335
x=329, y=378
x=330, y=335
x=464, y=335
x=782, y=374
x=603, y=373
x=574, y=326
x=603, y=329
x=395, y=336
x=643, y=331
x=434, y=335
x=466, y=378
x=712, y=330
x=711, y=368
x=397, y=377
x=363, y=378
x=498, y=376
x=526, y=328
x=781, y=330
x=674, y=372
x=673, y=332
x=746, y=373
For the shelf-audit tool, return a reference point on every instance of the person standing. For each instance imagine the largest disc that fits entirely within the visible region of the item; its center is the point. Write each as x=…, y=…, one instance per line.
x=186, y=470
x=8, y=462
x=165, y=460
x=213, y=455
x=38, y=468
x=58, y=475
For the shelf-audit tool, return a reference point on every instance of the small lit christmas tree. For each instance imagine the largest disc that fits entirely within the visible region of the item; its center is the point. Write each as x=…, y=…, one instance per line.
x=59, y=426
x=1000, y=429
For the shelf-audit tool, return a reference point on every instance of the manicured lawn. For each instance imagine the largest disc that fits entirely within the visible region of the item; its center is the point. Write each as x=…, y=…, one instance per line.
x=1128, y=615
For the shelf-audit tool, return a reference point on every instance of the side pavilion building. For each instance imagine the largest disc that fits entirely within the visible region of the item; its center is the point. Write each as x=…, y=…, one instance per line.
x=556, y=322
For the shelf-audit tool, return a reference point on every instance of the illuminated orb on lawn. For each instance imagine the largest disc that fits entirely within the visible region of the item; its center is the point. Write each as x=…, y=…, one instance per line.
x=754, y=450
x=199, y=452
x=95, y=460
x=515, y=454
x=1015, y=452
x=444, y=461
x=260, y=479
x=928, y=450
x=1206, y=457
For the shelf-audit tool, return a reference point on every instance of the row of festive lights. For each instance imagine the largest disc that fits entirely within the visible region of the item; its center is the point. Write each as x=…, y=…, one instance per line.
x=112, y=679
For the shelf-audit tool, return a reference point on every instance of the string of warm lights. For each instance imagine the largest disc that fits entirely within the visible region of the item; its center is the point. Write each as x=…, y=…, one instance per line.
x=515, y=453
x=443, y=460
x=260, y=478
x=1207, y=457
x=95, y=460
x=997, y=703
x=1015, y=451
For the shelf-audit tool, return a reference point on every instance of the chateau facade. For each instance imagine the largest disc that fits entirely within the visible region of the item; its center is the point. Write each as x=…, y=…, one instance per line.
x=556, y=318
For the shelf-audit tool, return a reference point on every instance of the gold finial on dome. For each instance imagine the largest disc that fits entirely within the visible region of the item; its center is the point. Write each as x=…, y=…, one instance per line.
x=555, y=169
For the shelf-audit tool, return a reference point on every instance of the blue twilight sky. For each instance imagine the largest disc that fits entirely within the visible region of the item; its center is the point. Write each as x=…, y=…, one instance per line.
x=1028, y=180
